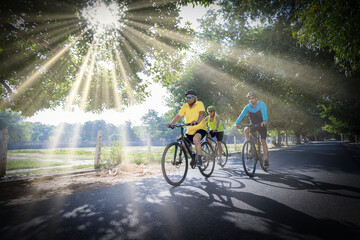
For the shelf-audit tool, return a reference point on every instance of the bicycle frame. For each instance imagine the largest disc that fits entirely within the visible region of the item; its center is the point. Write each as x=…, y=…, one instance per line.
x=256, y=139
x=183, y=142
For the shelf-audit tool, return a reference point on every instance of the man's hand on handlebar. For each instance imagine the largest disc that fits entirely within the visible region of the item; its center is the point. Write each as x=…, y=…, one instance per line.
x=263, y=124
x=235, y=127
x=194, y=123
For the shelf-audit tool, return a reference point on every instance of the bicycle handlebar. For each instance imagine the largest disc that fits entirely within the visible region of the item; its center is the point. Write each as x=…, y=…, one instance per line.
x=179, y=125
x=251, y=125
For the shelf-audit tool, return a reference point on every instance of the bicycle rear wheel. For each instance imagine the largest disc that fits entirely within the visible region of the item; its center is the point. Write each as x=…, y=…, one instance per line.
x=174, y=164
x=225, y=154
x=208, y=160
x=249, y=158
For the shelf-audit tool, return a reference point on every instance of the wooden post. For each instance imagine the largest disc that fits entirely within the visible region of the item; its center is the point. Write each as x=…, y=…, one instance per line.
x=98, y=150
x=235, y=142
x=149, y=143
x=3, y=151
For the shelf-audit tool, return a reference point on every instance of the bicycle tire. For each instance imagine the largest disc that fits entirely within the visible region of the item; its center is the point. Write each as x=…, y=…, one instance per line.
x=248, y=158
x=174, y=168
x=208, y=160
x=225, y=154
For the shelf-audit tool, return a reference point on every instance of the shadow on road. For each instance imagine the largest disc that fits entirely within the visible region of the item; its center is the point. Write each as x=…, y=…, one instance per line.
x=215, y=208
x=221, y=207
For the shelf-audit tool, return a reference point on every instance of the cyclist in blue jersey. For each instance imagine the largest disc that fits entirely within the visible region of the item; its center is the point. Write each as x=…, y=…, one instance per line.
x=258, y=115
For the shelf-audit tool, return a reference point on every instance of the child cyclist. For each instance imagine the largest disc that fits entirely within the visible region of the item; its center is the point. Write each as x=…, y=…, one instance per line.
x=216, y=129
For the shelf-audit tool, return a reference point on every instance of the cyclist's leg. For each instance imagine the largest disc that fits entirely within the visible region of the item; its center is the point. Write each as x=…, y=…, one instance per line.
x=197, y=138
x=219, y=138
x=210, y=135
x=247, y=133
x=200, y=134
x=265, y=149
x=263, y=133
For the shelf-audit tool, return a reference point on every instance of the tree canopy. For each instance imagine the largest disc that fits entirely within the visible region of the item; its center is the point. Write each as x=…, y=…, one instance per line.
x=264, y=46
x=58, y=53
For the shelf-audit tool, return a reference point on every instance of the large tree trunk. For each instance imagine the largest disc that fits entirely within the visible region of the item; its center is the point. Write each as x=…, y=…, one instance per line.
x=298, y=140
x=3, y=151
x=286, y=138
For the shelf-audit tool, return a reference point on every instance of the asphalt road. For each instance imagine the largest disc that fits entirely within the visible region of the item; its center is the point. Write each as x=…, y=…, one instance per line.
x=311, y=192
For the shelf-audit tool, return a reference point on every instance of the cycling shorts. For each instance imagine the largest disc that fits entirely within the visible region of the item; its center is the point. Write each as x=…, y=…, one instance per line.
x=219, y=135
x=190, y=138
x=262, y=131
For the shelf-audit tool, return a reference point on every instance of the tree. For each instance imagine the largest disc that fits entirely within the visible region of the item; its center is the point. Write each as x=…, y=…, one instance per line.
x=52, y=55
x=239, y=56
x=18, y=131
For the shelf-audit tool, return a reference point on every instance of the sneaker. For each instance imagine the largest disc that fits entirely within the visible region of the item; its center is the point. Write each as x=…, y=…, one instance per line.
x=266, y=163
x=198, y=160
x=192, y=163
x=220, y=161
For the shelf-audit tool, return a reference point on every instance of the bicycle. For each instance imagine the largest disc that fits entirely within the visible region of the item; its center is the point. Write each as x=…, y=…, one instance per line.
x=174, y=162
x=251, y=152
x=225, y=153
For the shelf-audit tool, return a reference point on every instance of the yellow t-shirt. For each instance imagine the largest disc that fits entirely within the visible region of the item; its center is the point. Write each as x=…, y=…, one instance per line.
x=192, y=114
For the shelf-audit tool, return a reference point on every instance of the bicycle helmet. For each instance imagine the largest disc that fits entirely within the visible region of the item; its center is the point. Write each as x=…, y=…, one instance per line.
x=251, y=94
x=211, y=108
x=191, y=92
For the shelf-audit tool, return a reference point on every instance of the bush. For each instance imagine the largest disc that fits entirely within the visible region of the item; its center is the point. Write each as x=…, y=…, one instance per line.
x=112, y=155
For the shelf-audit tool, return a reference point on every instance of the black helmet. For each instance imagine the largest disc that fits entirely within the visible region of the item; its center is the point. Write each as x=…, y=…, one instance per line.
x=191, y=92
x=251, y=94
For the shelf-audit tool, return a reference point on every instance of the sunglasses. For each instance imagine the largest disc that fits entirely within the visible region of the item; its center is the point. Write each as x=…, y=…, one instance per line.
x=190, y=97
x=251, y=98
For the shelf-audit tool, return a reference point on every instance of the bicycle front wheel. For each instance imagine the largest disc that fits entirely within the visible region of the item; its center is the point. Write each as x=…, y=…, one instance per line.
x=225, y=154
x=174, y=164
x=208, y=160
x=249, y=158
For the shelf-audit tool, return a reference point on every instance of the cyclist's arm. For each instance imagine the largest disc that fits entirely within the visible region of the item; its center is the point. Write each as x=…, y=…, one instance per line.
x=175, y=120
x=206, y=119
x=201, y=116
x=241, y=116
x=264, y=115
x=217, y=123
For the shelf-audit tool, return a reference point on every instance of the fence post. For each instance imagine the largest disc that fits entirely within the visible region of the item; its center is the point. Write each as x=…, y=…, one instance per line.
x=234, y=142
x=3, y=151
x=98, y=150
x=149, y=144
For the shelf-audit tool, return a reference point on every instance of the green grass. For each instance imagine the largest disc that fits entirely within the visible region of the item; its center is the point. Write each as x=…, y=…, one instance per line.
x=140, y=155
x=60, y=151
x=15, y=164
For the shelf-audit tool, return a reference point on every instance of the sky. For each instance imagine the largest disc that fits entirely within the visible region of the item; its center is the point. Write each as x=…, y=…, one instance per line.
x=156, y=101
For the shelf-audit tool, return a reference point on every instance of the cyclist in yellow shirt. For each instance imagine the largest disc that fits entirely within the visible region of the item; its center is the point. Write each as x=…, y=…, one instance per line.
x=216, y=129
x=193, y=111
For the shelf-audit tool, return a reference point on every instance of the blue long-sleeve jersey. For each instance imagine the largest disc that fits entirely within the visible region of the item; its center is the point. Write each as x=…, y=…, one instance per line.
x=257, y=114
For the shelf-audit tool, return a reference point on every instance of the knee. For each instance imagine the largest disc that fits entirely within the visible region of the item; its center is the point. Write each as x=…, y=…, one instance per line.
x=196, y=139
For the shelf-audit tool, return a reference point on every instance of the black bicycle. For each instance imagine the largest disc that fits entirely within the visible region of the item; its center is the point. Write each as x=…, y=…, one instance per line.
x=225, y=154
x=174, y=162
x=251, y=152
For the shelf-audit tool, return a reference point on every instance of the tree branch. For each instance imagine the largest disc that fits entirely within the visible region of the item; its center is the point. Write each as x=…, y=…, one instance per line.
x=5, y=85
x=11, y=28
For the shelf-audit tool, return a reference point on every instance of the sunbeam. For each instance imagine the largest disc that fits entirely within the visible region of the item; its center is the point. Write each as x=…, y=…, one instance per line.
x=75, y=88
x=34, y=77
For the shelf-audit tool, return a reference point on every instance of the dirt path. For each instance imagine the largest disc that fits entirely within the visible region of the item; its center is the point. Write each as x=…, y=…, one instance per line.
x=17, y=190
